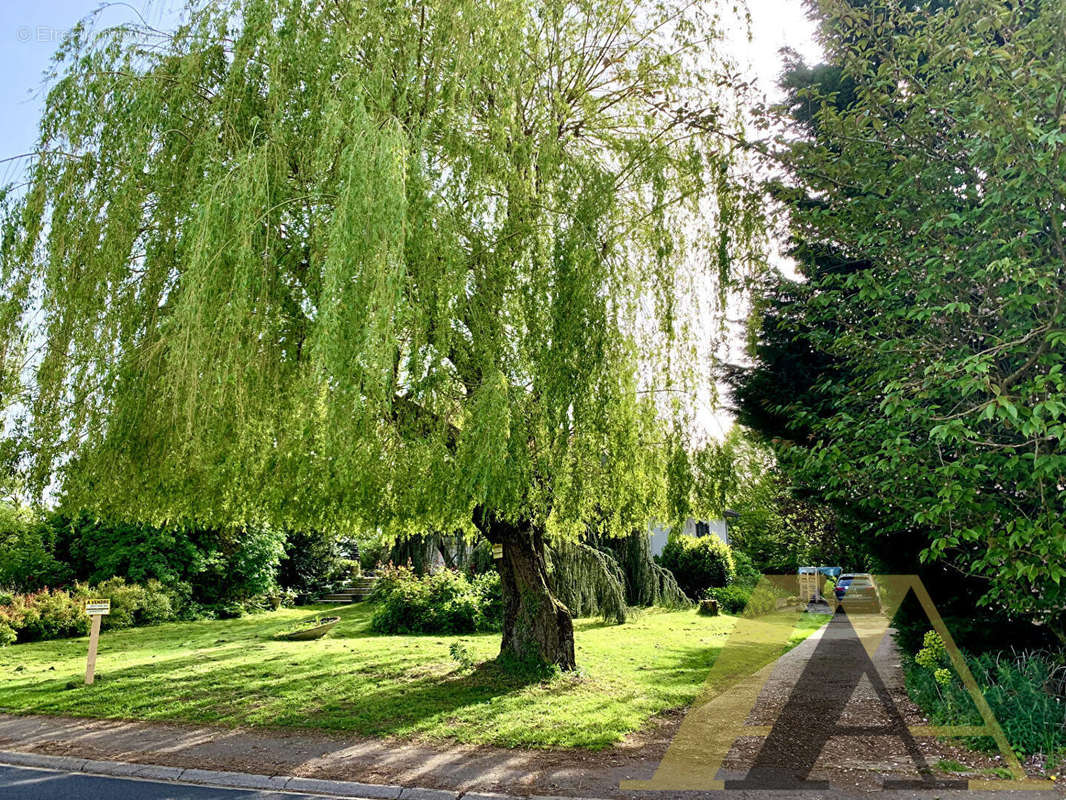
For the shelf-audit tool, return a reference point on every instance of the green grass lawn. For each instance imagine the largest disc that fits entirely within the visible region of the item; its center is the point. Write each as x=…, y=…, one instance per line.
x=231, y=672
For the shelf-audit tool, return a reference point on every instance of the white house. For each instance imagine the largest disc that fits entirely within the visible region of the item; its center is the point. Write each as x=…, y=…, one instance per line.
x=692, y=527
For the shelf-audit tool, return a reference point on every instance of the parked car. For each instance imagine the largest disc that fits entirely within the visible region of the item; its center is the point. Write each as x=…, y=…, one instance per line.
x=841, y=585
x=858, y=591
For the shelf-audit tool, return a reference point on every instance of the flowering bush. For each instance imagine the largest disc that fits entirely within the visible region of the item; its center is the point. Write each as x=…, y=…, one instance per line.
x=47, y=614
x=60, y=614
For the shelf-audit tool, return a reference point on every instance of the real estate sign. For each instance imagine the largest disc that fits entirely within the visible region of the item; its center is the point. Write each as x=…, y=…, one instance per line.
x=95, y=608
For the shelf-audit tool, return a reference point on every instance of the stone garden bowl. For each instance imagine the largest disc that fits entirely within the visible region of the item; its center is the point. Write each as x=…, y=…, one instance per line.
x=310, y=629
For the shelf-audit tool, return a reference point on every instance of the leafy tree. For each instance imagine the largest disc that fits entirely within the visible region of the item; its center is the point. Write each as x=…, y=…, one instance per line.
x=778, y=529
x=311, y=562
x=931, y=208
x=27, y=558
x=773, y=523
x=376, y=265
x=210, y=566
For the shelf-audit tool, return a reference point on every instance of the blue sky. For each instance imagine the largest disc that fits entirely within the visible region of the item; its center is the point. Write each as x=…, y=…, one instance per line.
x=30, y=31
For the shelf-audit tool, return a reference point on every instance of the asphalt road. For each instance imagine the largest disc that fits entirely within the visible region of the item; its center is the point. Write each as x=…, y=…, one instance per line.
x=19, y=783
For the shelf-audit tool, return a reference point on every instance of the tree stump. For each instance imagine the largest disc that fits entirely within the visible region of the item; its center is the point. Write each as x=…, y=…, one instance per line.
x=709, y=607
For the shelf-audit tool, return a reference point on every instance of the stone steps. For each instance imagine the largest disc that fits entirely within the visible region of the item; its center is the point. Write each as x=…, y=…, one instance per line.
x=357, y=590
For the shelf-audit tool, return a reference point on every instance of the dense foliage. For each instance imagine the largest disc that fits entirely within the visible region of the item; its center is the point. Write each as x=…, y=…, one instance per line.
x=313, y=561
x=928, y=217
x=205, y=571
x=1026, y=691
x=698, y=562
x=445, y=601
x=730, y=599
x=27, y=551
x=47, y=614
x=588, y=581
x=773, y=526
x=647, y=583
x=60, y=613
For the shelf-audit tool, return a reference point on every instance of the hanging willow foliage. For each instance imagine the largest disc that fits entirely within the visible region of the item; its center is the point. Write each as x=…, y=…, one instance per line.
x=588, y=581
x=647, y=584
x=371, y=263
x=605, y=580
x=418, y=552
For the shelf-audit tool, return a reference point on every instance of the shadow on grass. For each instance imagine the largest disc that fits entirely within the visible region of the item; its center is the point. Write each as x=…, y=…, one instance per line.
x=233, y=672
x=379, y=694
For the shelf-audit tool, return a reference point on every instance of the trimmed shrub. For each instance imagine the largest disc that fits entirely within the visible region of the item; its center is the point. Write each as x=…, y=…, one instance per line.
x=699, y=563
x=441, y=602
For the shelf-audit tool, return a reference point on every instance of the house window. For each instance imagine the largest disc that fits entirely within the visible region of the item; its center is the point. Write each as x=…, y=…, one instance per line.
x=703, y=529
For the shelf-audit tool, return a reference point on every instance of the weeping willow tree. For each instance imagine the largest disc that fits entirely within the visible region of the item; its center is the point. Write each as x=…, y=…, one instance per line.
x=391, y=264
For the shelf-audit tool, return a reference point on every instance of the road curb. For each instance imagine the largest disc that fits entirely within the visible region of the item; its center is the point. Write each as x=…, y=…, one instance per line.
x=247, y=780
x=226, y=780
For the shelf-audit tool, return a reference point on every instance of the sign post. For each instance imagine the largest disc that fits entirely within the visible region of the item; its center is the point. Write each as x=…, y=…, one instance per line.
x=95, y=609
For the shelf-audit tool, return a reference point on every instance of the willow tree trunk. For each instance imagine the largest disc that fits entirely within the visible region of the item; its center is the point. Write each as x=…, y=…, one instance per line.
x=535, y=624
